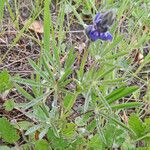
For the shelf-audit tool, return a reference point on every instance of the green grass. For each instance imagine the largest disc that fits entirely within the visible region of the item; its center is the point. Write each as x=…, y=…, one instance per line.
x=90, y=98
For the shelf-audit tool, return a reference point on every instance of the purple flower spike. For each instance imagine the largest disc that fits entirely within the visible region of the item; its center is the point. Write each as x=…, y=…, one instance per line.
x=94, y=34
x=106, y=36
x=98, y=18
x=99, y=28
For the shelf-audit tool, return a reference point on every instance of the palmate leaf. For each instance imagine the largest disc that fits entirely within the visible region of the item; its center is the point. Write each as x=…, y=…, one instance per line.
x=7, y=131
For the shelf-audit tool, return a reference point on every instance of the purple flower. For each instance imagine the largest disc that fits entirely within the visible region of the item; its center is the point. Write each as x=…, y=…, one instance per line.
x=101, y=24
x=98, y=18
x=94, y=34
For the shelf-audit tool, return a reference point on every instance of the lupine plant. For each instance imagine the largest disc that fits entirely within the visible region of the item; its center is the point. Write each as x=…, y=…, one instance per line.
x=76, y=100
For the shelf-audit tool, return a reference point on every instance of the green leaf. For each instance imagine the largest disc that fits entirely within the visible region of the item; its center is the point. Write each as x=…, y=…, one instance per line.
x=5, y=148
x=70, y=59
x=114, y=135
x=47, y=25
x=69, y=101
x=39, y=112
x=23, y=125
x=117, y=122
x=33, y=129
x=120, y=93
x=38, y=70
x=60, y=25
x=101, y=73
x=100, y=129
x=81, y=70
x=115, y=42
x=65, y=74
x=56, y=51
x=69, y=130
x=43, y=132
x=49, y=57
x=135, y=123
x=7, y=131
x=46, y=66
x=95, y=143
x=57, y=143
x=87, y=99
x=76, y=14
x=9, y=105
x=117, y=55
x=91, y=126
x=126, y=105
x=2, y=3
x=10, y=10
x=23, y=92
x=5, y=82
x=29, y=82
x=35, y=101
x=41, y=145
